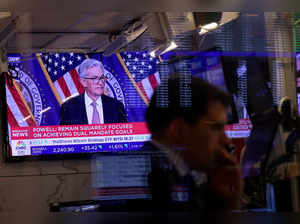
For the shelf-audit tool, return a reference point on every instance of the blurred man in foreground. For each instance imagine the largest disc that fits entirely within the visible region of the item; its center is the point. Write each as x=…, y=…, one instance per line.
x=187, y=117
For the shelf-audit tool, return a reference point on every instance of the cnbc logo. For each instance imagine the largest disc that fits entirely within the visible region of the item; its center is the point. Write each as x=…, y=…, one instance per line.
x=20, y=145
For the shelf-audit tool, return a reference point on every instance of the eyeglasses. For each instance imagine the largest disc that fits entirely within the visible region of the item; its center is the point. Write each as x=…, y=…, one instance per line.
x=102, y=78
x=215, y=125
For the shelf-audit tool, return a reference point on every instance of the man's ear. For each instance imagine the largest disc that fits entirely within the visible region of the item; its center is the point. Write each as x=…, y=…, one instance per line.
x=83, y=82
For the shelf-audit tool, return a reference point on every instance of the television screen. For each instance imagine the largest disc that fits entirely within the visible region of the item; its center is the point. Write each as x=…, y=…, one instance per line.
x=259, y=96
x=259, y=145
x=125, y=187
x=204, y=65
x=49, y=110
x=209, y=67
x=128, y=180
x=263, y=115
x=53, y=104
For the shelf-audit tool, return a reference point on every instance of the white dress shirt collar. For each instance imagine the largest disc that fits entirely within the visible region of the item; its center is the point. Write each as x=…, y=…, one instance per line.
x=180, y=165
x=174, y=157
x=89, y=108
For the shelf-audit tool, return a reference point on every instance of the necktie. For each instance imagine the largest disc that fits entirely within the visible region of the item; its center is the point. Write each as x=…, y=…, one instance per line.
x=95, y=118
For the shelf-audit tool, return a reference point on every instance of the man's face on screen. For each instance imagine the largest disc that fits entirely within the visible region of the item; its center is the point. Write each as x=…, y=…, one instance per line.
x=94, y=82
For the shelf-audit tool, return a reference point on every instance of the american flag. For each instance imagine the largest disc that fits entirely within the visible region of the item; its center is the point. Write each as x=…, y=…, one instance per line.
x=142, y=67
x=63, y=71
x=18, y=112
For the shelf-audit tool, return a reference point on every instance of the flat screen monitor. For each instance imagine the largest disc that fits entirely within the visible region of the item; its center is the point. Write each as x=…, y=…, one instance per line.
x=263, y=115
x=49, y=103
x=209, y=66
x=42, y=86
x=259, y=96
x=128, y=180
x=125, y=187
x=205, y=65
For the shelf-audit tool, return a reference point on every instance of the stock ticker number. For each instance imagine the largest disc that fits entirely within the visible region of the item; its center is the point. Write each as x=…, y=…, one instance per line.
x=89, y=148
x=63, y=149
x=117, y=146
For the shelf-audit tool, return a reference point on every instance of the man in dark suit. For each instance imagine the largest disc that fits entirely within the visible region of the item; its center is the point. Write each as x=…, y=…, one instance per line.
x=92, y=107
x=187, y=126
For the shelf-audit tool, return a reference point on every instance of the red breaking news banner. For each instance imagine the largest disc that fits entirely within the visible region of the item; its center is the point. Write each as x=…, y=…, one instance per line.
x=71, y=131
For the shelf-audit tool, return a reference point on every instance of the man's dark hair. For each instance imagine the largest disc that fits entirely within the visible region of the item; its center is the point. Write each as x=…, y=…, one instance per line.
x=183, y=97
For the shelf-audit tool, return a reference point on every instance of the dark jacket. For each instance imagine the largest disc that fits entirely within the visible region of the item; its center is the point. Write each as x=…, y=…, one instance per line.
x=73, y=111
x=163, y=182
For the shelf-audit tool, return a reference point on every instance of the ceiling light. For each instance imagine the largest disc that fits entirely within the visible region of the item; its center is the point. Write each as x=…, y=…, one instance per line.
x=172, y=46
x=225, y=18
x=210, y=26
x=163, y=48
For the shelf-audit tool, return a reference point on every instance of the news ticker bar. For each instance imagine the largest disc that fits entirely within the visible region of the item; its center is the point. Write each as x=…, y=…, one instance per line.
x=77, y=145
x=85, y=148
x=88, y=138
x=78, y=131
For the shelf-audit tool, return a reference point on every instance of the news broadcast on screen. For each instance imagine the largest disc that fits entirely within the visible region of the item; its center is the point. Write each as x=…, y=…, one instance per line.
x=46, y=102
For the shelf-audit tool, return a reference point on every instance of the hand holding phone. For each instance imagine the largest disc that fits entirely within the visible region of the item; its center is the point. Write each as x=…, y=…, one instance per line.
x=226, y=180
